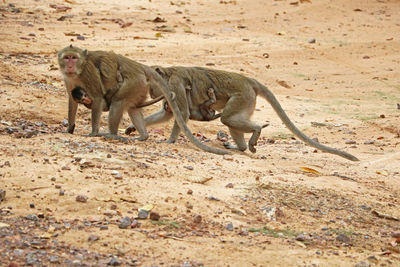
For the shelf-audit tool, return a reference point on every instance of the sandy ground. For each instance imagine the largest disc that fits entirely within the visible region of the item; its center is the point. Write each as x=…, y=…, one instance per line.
x=333, y=65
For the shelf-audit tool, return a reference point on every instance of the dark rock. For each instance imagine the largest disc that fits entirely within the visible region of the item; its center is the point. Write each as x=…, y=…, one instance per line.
x=32, y=217
x=125, y=223
x=143, y=214
x=81, y=198
x=343, y=238
x=154, y=216
x=229, y=227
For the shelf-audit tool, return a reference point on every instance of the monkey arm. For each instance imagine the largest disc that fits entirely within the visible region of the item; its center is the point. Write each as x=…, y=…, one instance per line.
x=72, y=109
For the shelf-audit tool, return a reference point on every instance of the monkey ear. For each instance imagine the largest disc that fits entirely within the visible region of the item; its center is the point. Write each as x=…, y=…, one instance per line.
x=70, y=46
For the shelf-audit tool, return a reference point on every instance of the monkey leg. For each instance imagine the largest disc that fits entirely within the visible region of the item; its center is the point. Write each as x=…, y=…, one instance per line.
x=114, y=118
x=97, y=107
x=139, y=123
x=236, y=116
x=238, y=137
x=160, y=116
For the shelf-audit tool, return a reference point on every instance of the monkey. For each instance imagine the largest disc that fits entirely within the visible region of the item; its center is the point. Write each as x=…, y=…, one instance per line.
x=88, y=69
x=80, y=96
x=235, y=96
x=96, y=72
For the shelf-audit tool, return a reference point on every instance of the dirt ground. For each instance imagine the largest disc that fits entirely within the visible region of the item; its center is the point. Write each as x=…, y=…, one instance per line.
x=333, y=65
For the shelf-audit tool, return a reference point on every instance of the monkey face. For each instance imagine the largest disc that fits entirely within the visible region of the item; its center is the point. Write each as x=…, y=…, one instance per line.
x=71, y=60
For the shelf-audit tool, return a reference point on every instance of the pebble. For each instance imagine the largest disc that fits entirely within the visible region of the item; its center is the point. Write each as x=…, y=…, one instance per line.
x=343, y=238
x=312, y=41
x=230, y=185
x=93, y=238
x=32, y=206
x=32, y=217
x=81, y=198
x=104, y=227
x=154, y=216
x=125, y=223
x=189, y=192
x=396, y=234
x=350, y=142
x=54, y=259
x=2, y=195
x=301, y=237
x=114, y=262
x=61, y=192
x=31, y=259
x=362, y=264
x=197, y=219
x=229, y=227
x=143, y=214
x=135, y=224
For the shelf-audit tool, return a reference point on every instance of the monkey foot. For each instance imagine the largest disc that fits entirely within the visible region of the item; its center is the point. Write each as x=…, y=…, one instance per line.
x=252, y=149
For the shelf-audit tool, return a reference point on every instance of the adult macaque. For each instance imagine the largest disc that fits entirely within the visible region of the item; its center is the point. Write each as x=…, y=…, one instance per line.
x=236, y=99
x=96, y=72
x=87, y=69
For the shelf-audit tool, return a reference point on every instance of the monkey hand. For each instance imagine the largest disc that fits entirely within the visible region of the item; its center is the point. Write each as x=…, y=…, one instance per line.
x=71, y=128
x=130, y=129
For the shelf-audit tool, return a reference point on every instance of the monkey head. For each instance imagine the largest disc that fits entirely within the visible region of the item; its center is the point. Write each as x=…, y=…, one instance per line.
x=71, y=60
x=80, y=96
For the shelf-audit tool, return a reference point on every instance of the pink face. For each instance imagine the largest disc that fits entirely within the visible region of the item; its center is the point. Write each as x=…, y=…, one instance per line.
x=70, y=63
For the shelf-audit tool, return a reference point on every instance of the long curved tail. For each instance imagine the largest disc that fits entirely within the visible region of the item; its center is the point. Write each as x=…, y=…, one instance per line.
x=269, y=96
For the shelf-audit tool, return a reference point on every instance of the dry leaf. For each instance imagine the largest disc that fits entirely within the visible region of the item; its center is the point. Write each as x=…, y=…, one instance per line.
x=4, y=225
x=148, y=207
x=384, y=173
x=198, y=180
x=306, y=169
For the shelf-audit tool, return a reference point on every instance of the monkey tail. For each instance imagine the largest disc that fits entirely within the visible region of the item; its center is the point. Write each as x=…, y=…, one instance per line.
x=269, y=96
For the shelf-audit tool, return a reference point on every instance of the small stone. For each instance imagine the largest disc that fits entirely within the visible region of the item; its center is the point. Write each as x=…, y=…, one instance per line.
x=31, y=259
x=230, y=185
x=154, y=216
x=343, y=238
x=135, y=224
x=362, y=264
x=229, y=227
x=369, y=142
x=365, y=57
x=197, y=219
x=114, y=262
x=89, y=13
x=104, y=227
x=80, y=37
x=189, y=192
x=350, y=142
x=396, y=234
x=54, y=259
x=143, y=214
x=301, y=237
x=93, y=238
x=81, y=198
x=32, y=206
x=2, y=195
x=61, y=192
x=32, y=217
x=312, y=41
x=382, y=116
x=125, y=223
